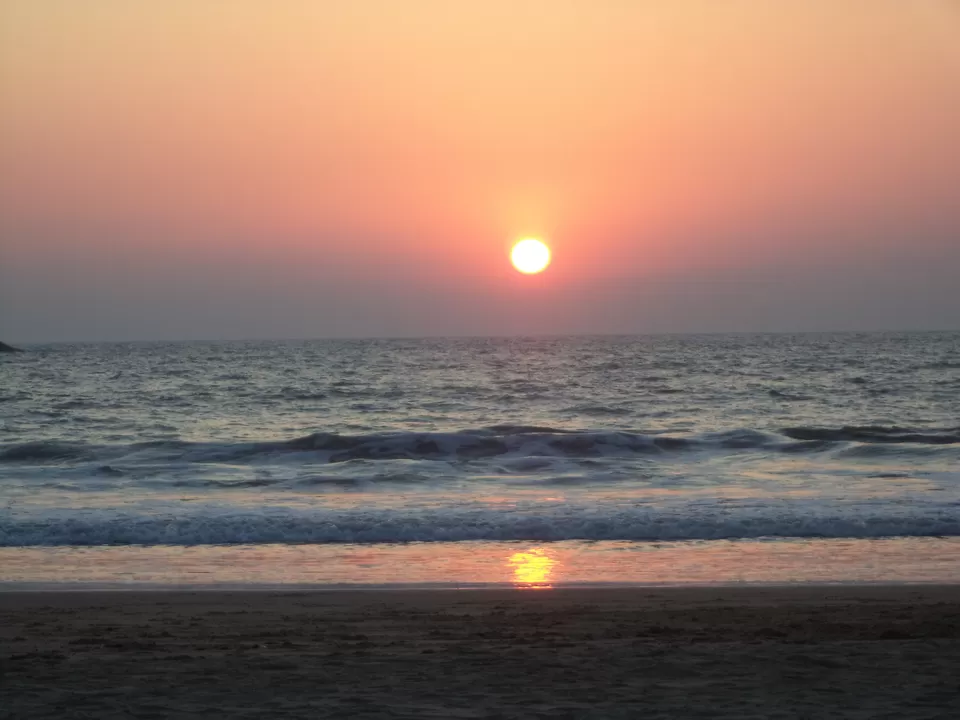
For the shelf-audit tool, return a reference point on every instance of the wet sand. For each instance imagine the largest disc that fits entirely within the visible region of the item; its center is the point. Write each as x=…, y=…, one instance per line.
x=800, y=652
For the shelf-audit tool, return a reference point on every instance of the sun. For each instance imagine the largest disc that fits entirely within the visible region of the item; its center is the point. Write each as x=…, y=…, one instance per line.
x=530, y=256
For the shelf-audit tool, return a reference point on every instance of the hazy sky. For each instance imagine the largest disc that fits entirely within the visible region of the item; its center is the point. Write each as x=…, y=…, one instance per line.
x=240, y=168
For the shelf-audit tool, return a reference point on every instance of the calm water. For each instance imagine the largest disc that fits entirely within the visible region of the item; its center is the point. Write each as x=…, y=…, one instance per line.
x=617, y=439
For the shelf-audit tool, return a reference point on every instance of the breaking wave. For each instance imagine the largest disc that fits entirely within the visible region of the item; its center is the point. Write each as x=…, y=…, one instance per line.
x=510, y=440
x=877, y=434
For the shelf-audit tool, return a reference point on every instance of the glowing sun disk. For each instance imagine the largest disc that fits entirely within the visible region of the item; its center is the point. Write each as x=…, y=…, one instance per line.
x=530, y=256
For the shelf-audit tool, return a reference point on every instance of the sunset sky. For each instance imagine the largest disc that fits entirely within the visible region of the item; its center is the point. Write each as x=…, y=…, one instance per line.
x=295, y=168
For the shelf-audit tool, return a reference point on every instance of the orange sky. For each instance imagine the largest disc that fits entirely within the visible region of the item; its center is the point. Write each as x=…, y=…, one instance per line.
x=406, y=143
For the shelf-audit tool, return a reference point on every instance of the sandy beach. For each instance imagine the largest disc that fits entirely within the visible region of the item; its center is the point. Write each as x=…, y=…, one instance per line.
x=810, y=652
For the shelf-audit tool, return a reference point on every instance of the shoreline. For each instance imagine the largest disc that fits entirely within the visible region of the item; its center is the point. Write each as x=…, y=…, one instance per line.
x=816, y=651
x=487, y=564
x=320, y=588
x=726, y=593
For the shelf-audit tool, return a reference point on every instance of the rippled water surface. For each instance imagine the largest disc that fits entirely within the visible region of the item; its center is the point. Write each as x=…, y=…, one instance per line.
x=639, y=438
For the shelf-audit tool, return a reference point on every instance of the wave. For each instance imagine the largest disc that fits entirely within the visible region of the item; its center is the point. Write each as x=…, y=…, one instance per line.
x=876, y=434
x=790, y=397
x=940, y=365
x=47, y=451
x=498, y=440
x=216, y=526
x=598, y=410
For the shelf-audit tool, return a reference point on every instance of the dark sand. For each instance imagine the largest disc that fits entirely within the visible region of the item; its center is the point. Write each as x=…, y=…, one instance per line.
x=811, y=652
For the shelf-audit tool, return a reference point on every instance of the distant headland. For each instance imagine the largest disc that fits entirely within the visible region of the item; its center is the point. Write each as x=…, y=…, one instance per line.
x=8, y=348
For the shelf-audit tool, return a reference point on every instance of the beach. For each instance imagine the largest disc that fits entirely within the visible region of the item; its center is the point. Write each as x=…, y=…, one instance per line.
x=810, y=651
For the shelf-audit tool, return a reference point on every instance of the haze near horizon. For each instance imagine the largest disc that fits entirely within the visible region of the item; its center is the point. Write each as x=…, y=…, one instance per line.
x=185, y=170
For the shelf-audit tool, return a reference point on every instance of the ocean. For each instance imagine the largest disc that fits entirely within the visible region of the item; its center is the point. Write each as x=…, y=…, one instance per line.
x=473, y=461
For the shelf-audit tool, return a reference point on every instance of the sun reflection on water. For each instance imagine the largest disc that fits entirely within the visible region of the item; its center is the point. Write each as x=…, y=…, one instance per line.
x=532, y=569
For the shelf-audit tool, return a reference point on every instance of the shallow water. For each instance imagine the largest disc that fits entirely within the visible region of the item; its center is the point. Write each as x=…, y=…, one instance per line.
x=486, y=564
x=665, y=438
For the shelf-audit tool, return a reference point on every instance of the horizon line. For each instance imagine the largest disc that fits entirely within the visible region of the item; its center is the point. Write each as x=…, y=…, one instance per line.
x=481, y=336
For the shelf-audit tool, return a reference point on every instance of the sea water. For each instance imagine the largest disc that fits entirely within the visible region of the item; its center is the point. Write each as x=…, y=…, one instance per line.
x=287, y=461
